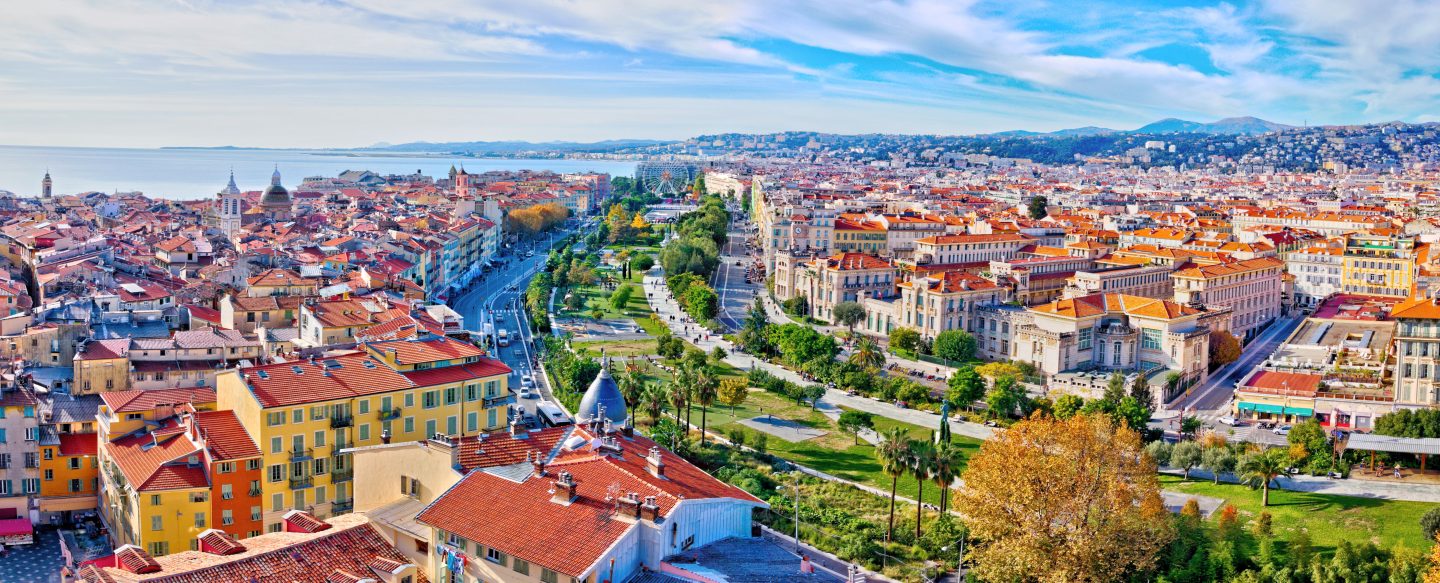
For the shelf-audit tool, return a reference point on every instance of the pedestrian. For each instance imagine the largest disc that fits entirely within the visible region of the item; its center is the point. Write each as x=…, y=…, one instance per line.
x=805, y=567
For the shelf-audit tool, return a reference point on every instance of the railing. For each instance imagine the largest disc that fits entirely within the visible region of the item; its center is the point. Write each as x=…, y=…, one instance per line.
x=301, y=454
x=344, y=475
x=301, y=482
x=389, y=414
x=337, y=422
x=499, y=400
x=342, y=507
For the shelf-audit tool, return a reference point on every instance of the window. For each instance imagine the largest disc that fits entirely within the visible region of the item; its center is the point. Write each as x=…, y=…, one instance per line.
x=277, y=472
x=1150, y=338
x=429, y=428
x=548, y=576
x=364, y=431
x=320, y=495
x=75, y=485
x=409, y=399
x=1086, y=336
x=154, y=499
x=32, y=434
x=319, y=439
x=49, y=474
x=321, y=467
x=157, y=522
x=254, y=513
x=199, y=520
x=227, y=492
x=521, y=566
x=421, y=546
x=274, y=418
x=227, y=518
x=432, y=399
x=159, y=549
x=317, y=412
x=277, y=502
x=409, y=425
x=226, y=467
x=49, y=453
x=74, y=463
x=472, y=392
x=297, y=416
x=277, y=444
x=365, y=405
x=495, y=556
x=253, y=464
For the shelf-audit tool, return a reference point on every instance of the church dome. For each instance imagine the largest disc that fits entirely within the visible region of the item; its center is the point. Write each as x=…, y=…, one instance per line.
x=275, y=194
x=603, y=396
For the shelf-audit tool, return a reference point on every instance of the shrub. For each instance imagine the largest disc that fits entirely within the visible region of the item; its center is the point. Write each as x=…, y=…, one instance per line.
x=1430, y=522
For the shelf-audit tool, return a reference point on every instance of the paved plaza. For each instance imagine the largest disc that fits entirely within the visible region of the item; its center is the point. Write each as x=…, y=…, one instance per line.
x=783, y=428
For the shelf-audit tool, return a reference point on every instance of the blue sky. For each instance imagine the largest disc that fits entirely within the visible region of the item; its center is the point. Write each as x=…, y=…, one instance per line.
x=353, y=72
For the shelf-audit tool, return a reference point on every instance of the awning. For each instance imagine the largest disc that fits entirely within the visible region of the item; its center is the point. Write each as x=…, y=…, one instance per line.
x=67, y=503
x=16, y=531
x=1303, y=412
x=1262, y=408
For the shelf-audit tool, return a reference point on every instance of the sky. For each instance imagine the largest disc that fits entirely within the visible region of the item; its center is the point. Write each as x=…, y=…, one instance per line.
x=344, y=73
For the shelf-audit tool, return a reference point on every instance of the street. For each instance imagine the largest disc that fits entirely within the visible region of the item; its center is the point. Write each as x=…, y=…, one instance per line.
x=736, y=293
x=497, y=298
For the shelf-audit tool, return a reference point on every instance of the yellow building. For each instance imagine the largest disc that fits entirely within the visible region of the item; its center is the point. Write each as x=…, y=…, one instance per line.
x=1379, y=265
x=304, y=413
x=102, y=365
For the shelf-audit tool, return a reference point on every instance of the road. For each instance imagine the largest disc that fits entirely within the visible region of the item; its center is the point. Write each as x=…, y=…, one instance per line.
x=736, y=293
x=496, y=297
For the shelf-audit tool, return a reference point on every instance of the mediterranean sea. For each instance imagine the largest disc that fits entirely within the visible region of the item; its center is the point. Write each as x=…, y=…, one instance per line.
x=188, y=174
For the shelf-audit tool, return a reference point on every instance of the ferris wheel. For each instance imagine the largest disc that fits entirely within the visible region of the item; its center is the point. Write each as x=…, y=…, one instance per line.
x=665, y=178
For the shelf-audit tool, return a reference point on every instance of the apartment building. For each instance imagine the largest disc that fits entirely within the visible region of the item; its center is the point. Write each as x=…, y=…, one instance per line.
x=304, y=414
x=69, y=462
x=843, y=277
x=958, y=249
x=1380, y=265
x=1318, y=272
x=19, y=452
x=935, y=303
x=1111, y=332
x=1417, y=352
x=1250, y=289
x=1143, y=280
x=188, y=358
x=857, y=235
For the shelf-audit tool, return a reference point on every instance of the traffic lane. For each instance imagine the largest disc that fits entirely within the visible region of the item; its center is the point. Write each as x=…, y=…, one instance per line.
x=1219, y=390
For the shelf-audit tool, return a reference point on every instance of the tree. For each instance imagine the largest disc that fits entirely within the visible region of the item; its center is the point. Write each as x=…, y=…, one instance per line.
x=733, y=392
x=621, y=296
x=955, y=345
x=1037, y=207
x=1140, y=389
x=642, y=262
x=1159, y=451
x=1218, y=460
x=849, y=314
x=867, y=354
x=702, y=302
x=946, y=468
x=1224, y=348
x=1068, y=405
x=1311, y=436
x=652, y=401
x=995, y=370
x=1003, y=397
x=1259, y=469
x=904, y=339
x=705, y=390
x=852, y=422
x=1086, y=505
x=1189, y=425
x=1115, y=388
x=922, y=466
x=717, y=355
x=814, y=393
x=1132, y=413
x=966, y=387
x=893, y=452
x=1185, y=456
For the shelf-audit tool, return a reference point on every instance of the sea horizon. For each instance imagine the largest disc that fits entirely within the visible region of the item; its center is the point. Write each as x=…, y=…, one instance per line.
x=192, y=173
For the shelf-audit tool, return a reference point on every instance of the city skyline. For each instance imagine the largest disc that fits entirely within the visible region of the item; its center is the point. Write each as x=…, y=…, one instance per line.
x=347, y=74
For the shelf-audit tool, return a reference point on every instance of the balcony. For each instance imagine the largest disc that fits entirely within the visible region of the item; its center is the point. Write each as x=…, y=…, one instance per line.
x=389, y=414
x=496, y=401
x=338, y=421
x=342, y=507
x=344, y=475
x=299, y=483
x=298, y=455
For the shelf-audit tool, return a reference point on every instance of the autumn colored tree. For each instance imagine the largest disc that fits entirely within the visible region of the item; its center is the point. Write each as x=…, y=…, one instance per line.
x=995, y=370
x=1061, y=501
x=1224, y=348
x=733, y=392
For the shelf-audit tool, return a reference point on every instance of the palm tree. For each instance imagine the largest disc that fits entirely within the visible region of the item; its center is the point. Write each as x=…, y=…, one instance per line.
x=705, y=393
x=947, y=467
x=632, y=384
x=867, y=354
x=680, y=396
x=652, y=400
x=1259, y=469
x=922, y=465
x=894, y=455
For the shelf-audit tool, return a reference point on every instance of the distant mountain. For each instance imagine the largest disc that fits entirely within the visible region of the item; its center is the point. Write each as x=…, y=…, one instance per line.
x=1228, y=126
x=1085, y=131
x=510, y=147
x=1017, y=134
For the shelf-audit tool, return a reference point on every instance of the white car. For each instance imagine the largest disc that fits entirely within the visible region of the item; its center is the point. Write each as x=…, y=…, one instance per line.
x=1281, y=430
x=526, y=393
x=1231, y=421
x=526, y=381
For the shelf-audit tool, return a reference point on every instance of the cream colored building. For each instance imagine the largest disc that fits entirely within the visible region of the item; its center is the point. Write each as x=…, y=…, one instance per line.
x=1251, y=289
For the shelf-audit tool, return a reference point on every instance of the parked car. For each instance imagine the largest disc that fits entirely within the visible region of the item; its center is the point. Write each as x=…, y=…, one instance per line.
x=526, y=381
x=1231, y=421
x=1281, y=430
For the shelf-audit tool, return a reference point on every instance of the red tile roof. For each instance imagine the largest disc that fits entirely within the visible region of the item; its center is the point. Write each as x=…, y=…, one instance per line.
x=519, y=518
x=147, y=399
x=293, y=383
x=225, y=436
x=429, y=349
x=158, y=462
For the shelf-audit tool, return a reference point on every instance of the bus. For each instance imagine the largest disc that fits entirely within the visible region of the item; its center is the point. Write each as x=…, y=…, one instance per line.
x=551, y=415
x=502, y=337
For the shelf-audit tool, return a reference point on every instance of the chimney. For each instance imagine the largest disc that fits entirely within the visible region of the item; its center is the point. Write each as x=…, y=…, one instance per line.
x=564, y=492
x=538, y=463
x=650, y=510
x=654, y=463
x=630, y=505
x=440, y=440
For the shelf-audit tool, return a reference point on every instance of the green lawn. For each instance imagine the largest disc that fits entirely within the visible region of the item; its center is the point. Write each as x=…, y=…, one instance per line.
x=615, y=347
x=593, y=295
x=1327, y=518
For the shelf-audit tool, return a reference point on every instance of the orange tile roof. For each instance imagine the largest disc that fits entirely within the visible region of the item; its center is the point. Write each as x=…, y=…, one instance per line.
x=1417, y=308
x=1284, y=381
x=225, y=436
x=519, y=518
x=294, y=383
x=1097, y=304
x=428, y=349
x=1232, y=268
x=148, y=399
x=158, y=462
